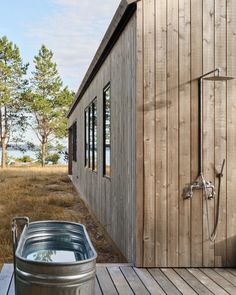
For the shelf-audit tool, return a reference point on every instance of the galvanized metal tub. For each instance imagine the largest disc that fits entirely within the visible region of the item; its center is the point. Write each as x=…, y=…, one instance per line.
x=56, y=258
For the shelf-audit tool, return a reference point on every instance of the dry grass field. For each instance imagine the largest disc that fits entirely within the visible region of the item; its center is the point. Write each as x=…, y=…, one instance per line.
x=46, y=194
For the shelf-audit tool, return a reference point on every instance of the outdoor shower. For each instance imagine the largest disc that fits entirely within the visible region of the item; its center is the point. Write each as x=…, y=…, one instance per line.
x=200, y=183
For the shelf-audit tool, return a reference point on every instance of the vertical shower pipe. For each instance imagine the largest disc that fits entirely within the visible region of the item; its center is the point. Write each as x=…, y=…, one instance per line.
x=200, y=121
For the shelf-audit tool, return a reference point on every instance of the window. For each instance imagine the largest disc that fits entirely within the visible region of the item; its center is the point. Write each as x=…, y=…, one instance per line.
x=95, y=134
x=86, y=132
x=107, y=131
x=91, y=136
x=74, y=141
x=70, y=148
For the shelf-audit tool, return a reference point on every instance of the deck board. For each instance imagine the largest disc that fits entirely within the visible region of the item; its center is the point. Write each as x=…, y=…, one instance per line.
x=164, y=282
x=150, y=283
x=218, y=279
x=183, y=287
x=193, y=282
x=134, y=281
x=119, y=281
x=125, y=279
x=6, y=278
x=208, y=282
x=228, y=275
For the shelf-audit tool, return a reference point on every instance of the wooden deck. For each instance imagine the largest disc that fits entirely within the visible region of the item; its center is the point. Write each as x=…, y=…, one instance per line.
x=125, y=279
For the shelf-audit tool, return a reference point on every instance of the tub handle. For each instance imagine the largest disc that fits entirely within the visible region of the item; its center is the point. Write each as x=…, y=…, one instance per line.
x=14, y=228
x=15, y=237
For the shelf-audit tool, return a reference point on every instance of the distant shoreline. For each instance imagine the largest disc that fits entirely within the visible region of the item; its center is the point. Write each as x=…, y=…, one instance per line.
x=15, y=154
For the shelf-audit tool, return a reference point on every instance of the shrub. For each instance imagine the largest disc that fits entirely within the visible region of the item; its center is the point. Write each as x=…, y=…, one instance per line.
x=54, y=158
x=25, y=159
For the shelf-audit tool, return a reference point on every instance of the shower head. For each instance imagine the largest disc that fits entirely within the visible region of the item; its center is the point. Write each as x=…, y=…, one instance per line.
x=219, y=78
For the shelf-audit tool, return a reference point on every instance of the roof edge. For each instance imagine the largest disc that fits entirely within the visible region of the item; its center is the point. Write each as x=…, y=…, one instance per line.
x=117, y=25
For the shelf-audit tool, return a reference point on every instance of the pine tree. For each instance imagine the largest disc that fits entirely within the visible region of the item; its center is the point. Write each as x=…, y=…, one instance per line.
x=48, y=101
x=12, y=88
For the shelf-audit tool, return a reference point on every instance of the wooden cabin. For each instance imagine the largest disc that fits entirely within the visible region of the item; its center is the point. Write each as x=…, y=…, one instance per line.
x=134, y=132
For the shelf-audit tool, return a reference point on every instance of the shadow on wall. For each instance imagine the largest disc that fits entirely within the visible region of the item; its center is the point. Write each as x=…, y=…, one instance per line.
x=156, y=105
x=230, y=245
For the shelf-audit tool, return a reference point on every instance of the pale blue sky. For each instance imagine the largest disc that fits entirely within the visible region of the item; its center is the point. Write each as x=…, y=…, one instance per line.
x=72, y=29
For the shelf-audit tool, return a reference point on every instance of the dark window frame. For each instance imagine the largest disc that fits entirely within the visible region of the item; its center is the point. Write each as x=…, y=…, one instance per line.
x=94, y=165
x=89, y=132
x=86, y=137
x=90, y=165
x=107, y=87
x=74, y=141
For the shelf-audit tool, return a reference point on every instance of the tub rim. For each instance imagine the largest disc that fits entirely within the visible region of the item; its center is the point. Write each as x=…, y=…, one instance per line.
x=44, y=263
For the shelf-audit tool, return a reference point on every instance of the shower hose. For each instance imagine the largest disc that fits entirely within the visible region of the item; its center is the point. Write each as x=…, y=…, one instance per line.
x=213, y=232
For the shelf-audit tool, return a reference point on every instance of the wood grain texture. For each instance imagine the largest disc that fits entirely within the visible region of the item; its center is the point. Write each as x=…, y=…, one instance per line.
x=139, y=138
x=134, y=281
x=149, y=133
x=196, y=72
x=113, y=200
x=184, y=131
x=221, y=128
x=119, y=281
x=125, y=279
x=154, y=69
x=231, y=135
x=190, y=39
x=6, y=277
x=161, y=134
x=183, y=287
x=172, y=133
x=208, y=126
x=150, y=283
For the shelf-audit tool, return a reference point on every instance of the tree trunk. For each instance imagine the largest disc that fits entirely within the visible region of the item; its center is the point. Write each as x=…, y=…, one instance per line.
x=43, y=153
x=3, y=163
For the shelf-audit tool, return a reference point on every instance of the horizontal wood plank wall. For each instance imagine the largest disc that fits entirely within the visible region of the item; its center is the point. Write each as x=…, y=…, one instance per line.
x=113, y=200
x=189, y=38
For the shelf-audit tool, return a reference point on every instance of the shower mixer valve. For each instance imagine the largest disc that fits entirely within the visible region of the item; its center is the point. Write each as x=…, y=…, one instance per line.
x=199, y=184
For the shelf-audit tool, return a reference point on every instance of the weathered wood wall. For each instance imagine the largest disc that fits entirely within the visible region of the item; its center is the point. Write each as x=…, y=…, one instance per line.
x=177, y=42
x=112, y=200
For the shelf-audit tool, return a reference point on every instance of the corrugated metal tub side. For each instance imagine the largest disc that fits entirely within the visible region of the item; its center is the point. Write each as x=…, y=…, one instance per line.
x=42, y=276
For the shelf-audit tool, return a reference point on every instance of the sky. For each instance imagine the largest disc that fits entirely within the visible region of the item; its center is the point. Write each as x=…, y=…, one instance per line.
x=72, y=29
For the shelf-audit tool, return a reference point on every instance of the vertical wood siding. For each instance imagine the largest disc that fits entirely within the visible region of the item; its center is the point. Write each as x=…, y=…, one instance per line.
x=113, y=200
x=161, y=134
x=182, y=40
x=231, y=134
x=196, y=203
